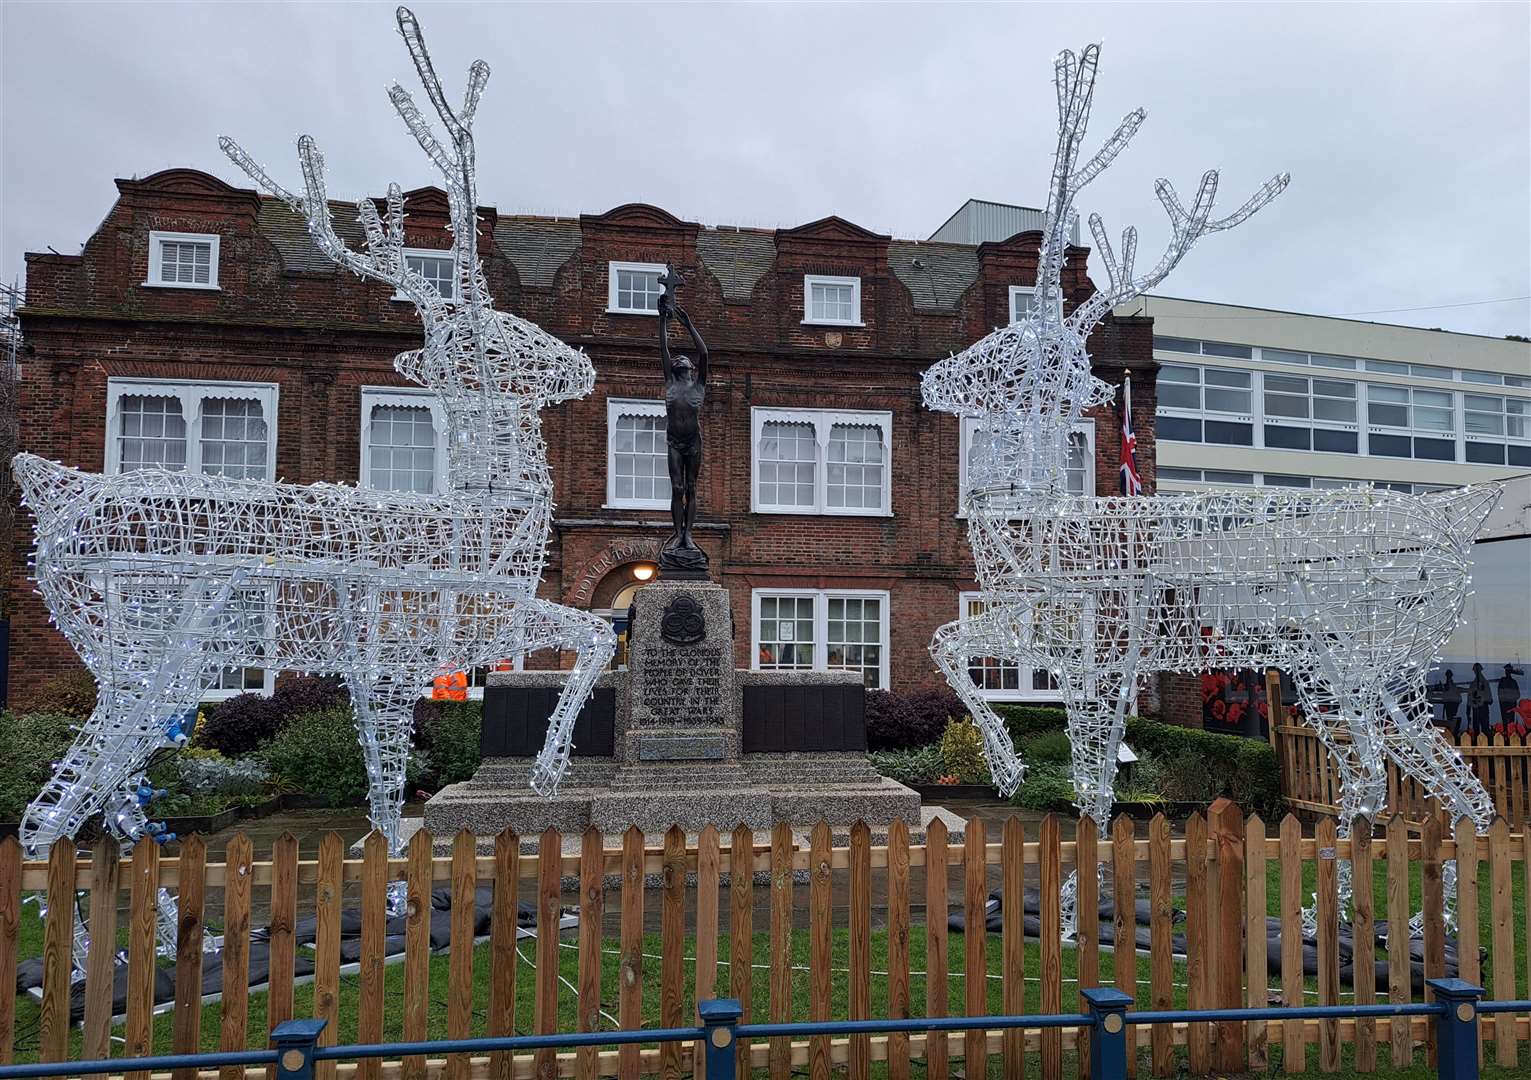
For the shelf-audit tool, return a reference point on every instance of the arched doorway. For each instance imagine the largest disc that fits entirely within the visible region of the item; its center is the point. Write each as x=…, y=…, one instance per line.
x=613, y=597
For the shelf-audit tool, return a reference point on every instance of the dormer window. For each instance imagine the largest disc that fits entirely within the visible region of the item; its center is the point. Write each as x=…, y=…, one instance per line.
x=831, y=301
x=1023, y=300
x=183, y=260
x=633, y=288
x=438, y=268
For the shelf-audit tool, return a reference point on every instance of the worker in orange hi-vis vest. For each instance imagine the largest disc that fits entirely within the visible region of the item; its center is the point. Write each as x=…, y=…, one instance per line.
x=453, y=687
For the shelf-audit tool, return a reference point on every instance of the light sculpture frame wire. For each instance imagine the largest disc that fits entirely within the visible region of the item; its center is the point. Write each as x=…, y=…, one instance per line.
x=160, y=579
x=1352, y=592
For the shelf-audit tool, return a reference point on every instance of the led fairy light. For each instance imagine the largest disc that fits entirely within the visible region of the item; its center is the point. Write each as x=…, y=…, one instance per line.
x=1348, y=591
x=161, y=579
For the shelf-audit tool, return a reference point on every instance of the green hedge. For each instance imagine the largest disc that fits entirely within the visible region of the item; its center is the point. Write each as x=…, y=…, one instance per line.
x=29, y=745
x=1244, y=770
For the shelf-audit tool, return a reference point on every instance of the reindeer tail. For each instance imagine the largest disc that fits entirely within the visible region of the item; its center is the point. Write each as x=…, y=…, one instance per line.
x=48, y=488
x=1465, y=510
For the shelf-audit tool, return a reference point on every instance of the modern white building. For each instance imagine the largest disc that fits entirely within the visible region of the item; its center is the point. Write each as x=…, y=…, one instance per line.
x=1254, y=396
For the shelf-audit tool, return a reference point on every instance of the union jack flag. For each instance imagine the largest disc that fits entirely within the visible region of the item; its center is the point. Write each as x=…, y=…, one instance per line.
x=1132, y=483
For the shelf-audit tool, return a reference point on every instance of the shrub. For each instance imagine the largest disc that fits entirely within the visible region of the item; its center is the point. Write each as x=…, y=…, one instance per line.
x=318, y=753
x=914, y=719
x=447, y=736
x=207, y=772
x=1047, y=787
x=71, y=694
x=29, y=745
x=1194, y=765
x=1050, y=747
x=962, y=753
x=1244, y=770
x=1024, y=721
x=243, y=723
x=921, y=765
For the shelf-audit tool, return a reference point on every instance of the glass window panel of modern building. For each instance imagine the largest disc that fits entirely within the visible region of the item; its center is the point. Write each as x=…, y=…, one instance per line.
x=1424, y=414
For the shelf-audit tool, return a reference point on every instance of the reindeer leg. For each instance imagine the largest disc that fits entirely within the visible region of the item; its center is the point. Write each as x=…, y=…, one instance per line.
x=385, y=713
x=1328, y=704
x=543, y=624
x=1417, y=748
x=991, y=634
x=136, y=704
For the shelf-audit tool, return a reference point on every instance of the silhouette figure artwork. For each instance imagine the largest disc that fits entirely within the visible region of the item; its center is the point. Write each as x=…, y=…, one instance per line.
x=685, y=389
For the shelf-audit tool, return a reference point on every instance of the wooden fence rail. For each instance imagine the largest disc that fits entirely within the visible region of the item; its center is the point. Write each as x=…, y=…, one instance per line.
x=849, y=931
x=1310, y=781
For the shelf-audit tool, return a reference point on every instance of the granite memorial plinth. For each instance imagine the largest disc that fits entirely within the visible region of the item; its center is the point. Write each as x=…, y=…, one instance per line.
x=681, y=738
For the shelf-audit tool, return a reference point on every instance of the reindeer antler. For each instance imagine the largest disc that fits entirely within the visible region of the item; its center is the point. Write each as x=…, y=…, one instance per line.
x=1187, y=227
x=384, y=257
x=1074, y=78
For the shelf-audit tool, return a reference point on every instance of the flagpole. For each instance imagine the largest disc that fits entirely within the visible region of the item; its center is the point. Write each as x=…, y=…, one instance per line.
x=1126, y=423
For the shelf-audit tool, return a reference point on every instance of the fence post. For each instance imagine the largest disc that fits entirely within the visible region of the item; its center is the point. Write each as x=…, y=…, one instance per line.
x=295, y=1042
x=1456, y=1027
x=1108, y=1031
x=719, y=1017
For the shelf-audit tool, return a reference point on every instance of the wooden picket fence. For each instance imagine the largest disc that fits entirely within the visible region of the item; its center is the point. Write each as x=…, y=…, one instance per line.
x=1310, y=781
x=1223, y=860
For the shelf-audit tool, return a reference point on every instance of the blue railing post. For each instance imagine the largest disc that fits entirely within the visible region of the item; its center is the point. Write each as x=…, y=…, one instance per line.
x=295, y=1042
x=1456, y=1028
x=720, y=1016
x=1108, y=1031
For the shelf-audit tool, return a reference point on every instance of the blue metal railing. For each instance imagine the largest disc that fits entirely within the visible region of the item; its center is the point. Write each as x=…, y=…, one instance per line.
x=295, y=1043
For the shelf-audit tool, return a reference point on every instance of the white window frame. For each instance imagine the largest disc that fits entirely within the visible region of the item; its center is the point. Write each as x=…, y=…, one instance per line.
x=612, y=307
x=823, y=421
x=821, y=598
x=268, y=674
x=616, y=408
x=1017, y=291
x=1312, y=422
x=1026, y=674
x=191, y=395
x=372, y=396
x=810, y=280
x=1084, y=427
x=157, y=240
x=449, y=254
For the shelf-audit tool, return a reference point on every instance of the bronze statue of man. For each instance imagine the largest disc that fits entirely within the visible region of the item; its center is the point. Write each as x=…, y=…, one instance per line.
x=685, y=388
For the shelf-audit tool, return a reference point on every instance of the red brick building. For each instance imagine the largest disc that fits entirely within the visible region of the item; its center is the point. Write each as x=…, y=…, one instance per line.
x=199, y=327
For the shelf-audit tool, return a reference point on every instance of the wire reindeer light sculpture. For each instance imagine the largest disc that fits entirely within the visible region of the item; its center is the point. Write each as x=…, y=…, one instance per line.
x=1351, y=592
x=160, y=579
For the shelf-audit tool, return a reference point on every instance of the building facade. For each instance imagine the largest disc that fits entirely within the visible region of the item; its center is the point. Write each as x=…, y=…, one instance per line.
x=1251, y=396
x=199, y=328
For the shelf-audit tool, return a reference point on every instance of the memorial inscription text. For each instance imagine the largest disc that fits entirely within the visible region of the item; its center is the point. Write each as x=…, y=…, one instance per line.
x=683, y=685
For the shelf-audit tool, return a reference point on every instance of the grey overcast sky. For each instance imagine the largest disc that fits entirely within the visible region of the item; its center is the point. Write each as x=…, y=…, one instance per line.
x=1406, y=127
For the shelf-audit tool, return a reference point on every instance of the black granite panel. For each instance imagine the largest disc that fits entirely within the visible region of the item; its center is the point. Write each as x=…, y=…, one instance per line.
x=786, y=719
x=516, y=721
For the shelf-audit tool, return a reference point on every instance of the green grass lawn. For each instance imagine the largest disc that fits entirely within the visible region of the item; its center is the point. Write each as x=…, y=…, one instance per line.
x=920, y=986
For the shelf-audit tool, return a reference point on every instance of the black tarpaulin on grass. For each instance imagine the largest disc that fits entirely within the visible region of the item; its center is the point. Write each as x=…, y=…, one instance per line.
x=29, y=973
x=1031, y=906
